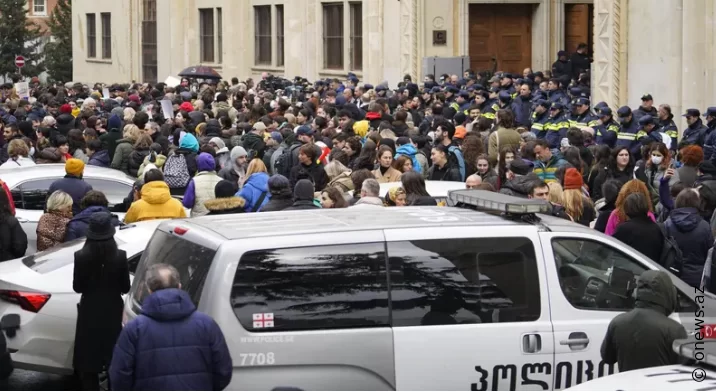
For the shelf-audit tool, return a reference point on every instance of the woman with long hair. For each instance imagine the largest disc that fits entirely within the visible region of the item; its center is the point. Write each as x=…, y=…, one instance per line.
x=403, y=164
x=339, y=176
x=18, y=152
x=485, y=171
x=601, y=161
x=416, y=194
x=101, y=275
x=618, y=215
x=578, y=207
x=655, y=167
x=691, y=157
x=620, y=167
x=13, y=240
x=141, y=150
x=333, y=198
x=125, y=146
x=255, y=190
x=472, y=147
x=507, y=155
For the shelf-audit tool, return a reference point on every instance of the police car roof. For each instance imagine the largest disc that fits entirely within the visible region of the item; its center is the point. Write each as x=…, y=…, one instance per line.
x=354, y=219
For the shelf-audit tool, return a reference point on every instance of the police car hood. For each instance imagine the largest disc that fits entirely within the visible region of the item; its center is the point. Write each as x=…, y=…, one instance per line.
x=663, y=378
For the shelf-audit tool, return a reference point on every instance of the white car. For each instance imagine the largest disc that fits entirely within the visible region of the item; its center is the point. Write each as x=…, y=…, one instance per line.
x=38, y=307
x=29, y=186
x=694, y=376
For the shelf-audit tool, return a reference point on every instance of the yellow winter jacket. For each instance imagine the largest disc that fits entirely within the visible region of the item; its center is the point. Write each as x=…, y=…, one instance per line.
x=156, y=203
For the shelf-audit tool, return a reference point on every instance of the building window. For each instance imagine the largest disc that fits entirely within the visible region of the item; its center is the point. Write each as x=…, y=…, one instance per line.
x=149, y=41
x=220, y=33
x=106, y=35
x=206, y=29
x=280, y=62
x=356, y=38
x=262, y=34
x=333, y=36
x=39, y=8
x=91, y=36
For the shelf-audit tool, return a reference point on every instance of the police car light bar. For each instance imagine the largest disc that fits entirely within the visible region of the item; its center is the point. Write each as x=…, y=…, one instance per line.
x=702, y=350
x=497, y=202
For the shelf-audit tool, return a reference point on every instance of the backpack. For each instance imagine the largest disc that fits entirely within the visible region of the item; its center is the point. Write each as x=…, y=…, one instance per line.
x=671, y=256
x=285, y=163
x=457, y=154
x=176, y=172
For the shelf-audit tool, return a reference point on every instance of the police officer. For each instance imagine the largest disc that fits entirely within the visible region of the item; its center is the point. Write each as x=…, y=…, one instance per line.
x=582, y=116
x=628, y=129
x=667, y=125
x=494, y=98
x=695, y=132
x=450, y=96
x=647, y=107
x=710, y=139
x=381, y=90
x=647, y=134
x=608, y=130
x=482, y=100
x=557, y=125
x=540, y=118
x=462, y=101
x=506, y=84
x=555, y=93
x=504, y=100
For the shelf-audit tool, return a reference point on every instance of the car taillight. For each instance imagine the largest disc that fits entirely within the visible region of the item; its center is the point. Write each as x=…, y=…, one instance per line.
x=32, y=302
x=180, y=230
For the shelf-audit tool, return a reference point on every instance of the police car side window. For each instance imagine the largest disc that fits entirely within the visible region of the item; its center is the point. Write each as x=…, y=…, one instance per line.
x=594, y=275
x=32, y=194
x=310, y=288
x=463, y=281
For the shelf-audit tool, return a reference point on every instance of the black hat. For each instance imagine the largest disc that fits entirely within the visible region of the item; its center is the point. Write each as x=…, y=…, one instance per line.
x=452, y=89
x=646, y=120
x=710, y=112
x=225, y=189
x=575, y=91
x=582, y=101
x=519, y=167
x=544, y=103
x=100, y=227
x=367, y=86
x=557, y=106
x=624, y=111
x=561, y=53
x=605, y=111
x=706, y=167
x=647, y=97
x=692, y=113
x=504, y=96
x=506, y=75
x=381, y=87
x=464, y=94
x=495, y=89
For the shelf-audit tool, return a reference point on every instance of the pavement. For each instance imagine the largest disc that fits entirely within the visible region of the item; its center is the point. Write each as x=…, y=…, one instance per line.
x=24, y=380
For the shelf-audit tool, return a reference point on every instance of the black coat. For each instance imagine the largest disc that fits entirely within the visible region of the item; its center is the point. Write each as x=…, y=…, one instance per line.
x=99, y=313
x=136, y=158
x=693, y=235
x=446, y=173
x=302, y=205
x=278, y=202
x=315, y=170
x=603, y=217
x=643, y=235
x=13, y=240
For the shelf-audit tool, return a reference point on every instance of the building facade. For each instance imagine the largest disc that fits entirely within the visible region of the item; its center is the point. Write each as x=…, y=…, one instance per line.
x=382, y=40
x=39, y=11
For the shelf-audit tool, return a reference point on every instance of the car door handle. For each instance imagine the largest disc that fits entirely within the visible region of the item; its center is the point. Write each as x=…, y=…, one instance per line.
x=574, y=342
x=22, y=220
x=531, y=343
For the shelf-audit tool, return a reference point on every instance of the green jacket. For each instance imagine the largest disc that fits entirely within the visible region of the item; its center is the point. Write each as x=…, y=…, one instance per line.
x=643, y=337
x=124, y=149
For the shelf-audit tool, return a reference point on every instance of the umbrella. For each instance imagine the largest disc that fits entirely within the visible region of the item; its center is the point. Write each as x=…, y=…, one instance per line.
x=200, y=72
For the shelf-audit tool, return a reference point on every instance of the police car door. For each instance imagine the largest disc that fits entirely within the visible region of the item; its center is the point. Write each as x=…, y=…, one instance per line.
x=469, y=308
x=590, y=282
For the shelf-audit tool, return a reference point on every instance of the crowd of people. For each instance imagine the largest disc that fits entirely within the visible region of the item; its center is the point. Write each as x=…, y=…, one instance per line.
x=239, y=147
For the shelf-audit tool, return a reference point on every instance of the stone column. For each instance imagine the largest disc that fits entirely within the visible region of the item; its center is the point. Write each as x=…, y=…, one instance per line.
x=409, y=38
x=374, y=38
x=610, y=54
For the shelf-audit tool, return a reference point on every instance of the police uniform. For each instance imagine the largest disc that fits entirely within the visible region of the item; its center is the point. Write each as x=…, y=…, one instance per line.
x=668, y=127
x=608, y=131
x=556, y=126
x=465, y=107
x=486, y=107
x=644, y=137
x=695, y=132
x=586, y=119
x=627, y=130
x=539, y=121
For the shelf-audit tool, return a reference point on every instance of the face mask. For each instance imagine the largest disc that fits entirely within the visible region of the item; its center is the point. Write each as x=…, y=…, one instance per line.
x=656, y=160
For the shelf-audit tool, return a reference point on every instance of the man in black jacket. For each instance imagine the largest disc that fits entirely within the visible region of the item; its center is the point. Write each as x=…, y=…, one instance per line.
x=562, y=67
x=580, y=61
x=643, y=337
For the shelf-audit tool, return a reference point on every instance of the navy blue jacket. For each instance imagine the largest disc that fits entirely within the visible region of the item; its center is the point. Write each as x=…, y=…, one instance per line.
x=694, y=134
x=710, y=142
x=100, y=158
x=77, y=227
x=693, y=235
x=627, y=136
x=522, y=108
x=170, y=346
x=73, y=186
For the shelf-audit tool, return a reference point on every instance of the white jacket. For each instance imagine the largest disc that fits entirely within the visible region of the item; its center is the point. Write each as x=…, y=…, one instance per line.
x=20, y=162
